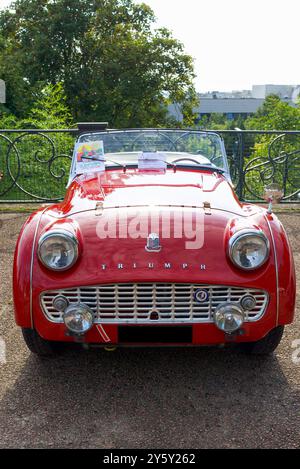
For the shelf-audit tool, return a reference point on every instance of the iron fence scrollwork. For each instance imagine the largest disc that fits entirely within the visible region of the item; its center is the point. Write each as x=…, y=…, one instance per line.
x=34, y=164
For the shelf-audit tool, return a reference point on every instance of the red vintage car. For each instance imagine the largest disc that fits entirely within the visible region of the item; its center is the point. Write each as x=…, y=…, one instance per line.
x=151, y=247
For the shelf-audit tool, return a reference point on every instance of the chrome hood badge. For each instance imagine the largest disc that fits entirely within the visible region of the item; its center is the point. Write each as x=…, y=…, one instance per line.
x=153, y=243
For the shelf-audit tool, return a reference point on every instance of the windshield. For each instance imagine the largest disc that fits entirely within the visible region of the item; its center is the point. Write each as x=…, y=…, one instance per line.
x=183, y=148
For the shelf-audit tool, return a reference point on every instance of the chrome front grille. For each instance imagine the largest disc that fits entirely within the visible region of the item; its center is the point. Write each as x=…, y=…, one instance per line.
x=146, y=302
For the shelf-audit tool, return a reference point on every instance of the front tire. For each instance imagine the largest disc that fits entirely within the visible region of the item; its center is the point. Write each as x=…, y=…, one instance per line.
x=39, y=346
x=264, y=346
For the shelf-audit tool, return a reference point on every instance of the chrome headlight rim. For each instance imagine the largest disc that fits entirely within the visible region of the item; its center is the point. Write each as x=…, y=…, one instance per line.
x=67, y=235
x=244, y=234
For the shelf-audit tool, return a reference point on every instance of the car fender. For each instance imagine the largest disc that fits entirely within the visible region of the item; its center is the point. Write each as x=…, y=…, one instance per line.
x=22, y=269
x=285, y=271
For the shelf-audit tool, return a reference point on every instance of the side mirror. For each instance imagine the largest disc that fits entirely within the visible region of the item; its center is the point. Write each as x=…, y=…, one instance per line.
x=273, y=194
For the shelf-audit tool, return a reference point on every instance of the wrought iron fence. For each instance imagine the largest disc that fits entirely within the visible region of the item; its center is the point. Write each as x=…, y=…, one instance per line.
x=259, y=158
x=34, y=164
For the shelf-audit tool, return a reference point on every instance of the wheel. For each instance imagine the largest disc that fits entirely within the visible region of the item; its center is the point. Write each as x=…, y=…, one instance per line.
x=40, y=346
x=265, y=346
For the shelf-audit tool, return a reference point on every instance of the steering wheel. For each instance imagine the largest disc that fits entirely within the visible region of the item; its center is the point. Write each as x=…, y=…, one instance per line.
x=185, y=159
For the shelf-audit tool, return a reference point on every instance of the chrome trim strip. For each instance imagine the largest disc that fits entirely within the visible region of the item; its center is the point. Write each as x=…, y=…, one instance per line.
x=276, y=269
x=31, y=265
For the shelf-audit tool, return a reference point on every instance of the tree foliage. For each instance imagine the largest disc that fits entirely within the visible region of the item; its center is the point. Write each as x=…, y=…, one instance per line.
x=111, y=61
x=275, y=114
x=49, y=111
x=217, y=121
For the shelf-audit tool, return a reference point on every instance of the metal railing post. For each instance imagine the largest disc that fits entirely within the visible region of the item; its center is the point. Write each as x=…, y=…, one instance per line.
x=240, y=185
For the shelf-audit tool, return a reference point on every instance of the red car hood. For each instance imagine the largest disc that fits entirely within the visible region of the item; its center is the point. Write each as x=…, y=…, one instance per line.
x=183, y=188
x=90, y=201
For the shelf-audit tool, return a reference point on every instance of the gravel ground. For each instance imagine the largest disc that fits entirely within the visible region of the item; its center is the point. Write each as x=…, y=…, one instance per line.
x=198, y=398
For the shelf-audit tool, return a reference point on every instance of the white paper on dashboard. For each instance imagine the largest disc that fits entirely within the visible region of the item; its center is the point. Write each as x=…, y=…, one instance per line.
x=89, y=157
x=152, y=160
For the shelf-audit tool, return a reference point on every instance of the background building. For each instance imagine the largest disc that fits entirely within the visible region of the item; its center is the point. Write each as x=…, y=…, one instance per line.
x=285, y=92
x=230, y=107
x=242, y=103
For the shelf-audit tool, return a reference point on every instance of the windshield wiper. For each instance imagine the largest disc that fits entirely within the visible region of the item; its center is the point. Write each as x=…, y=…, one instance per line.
x=90, y=158
x=213, y=169
x=93, y=158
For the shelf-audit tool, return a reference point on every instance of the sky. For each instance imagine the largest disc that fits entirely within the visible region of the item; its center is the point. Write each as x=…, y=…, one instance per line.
x=235, y=43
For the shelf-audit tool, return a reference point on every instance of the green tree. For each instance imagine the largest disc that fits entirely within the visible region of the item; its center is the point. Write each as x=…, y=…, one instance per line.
x=112, y=63
x=217, y=121
x=275, y=114
x=50, y=111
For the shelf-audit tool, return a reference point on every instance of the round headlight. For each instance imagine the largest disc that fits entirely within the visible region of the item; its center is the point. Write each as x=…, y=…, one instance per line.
x=58, y=250
x=78, y=318
x=249, y=249
x=228, y=317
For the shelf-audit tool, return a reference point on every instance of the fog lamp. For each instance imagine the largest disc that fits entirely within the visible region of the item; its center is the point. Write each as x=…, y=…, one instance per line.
x=248, y=302
x=60, y=303
x=78, y=318
x=229, y=317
